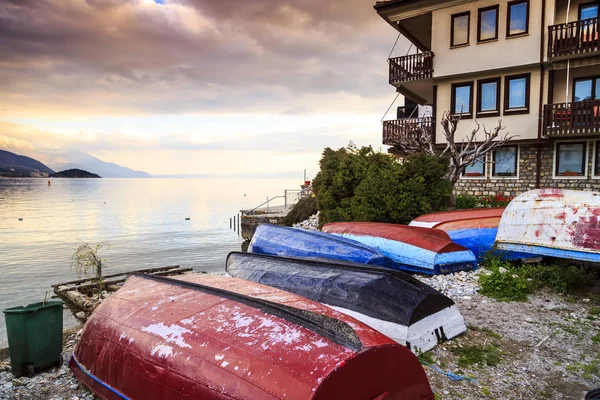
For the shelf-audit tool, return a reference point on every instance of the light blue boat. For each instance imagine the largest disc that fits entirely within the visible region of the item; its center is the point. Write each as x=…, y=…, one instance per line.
x=413, y=249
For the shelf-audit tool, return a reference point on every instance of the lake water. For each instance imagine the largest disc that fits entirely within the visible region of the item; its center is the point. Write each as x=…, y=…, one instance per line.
x=143, y=220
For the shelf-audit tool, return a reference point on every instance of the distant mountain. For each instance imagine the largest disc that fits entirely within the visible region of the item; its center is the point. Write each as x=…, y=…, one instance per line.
x=87, y=162
x=12, y=164
x=74, y=173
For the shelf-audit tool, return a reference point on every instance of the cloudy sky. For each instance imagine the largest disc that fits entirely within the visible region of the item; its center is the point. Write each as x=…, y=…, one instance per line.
x=194, y=86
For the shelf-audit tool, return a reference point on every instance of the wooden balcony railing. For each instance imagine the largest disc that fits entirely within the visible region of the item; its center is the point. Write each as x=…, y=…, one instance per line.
x=411, y=68
x=577, y=37
x=572, y=119
x=394, y=130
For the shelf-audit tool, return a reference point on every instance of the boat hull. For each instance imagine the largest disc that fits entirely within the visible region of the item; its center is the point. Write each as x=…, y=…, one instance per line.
x=413, y=249
x=553, y=222
x=292, y=242
x=392, y=302
x=474, y=229
x=210, y=337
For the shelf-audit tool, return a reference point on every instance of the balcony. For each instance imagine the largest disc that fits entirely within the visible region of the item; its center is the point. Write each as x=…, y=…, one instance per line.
x=394, y=130
x=574, y=38
x=411, y=68
x=572, y=119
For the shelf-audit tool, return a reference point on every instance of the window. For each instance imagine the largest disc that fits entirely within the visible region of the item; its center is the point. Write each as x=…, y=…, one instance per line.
x=477, y=169
x=516, y=94
x=488, y=97
x=586, y=89
x=459, y=31
x=588, y=10
x=487, y=24
x=571, y=159
x=505, y=160
x=462, y=99
x=517, y=18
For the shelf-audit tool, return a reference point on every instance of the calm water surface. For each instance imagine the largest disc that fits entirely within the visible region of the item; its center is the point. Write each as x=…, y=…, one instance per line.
x=143, y=220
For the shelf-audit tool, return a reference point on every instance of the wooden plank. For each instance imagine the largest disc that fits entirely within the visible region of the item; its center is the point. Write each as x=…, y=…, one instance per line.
x=118, y=274
x=59, y=289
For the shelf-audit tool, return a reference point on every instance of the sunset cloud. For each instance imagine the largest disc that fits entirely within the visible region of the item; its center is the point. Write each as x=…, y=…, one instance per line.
x=67, y=66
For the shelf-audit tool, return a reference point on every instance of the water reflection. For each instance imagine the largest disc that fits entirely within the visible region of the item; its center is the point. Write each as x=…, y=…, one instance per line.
x=144, y=220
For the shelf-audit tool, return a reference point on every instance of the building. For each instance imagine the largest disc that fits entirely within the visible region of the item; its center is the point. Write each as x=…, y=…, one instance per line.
x=535, y=64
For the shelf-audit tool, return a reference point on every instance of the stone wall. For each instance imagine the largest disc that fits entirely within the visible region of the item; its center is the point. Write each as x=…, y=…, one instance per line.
x=526, y=178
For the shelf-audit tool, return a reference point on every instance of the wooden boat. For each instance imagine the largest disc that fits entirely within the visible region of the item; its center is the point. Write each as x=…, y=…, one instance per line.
x=215, y=337
x=414, y=249
x=474, y=229
x=292, y=242
x=434, y=220
x=392, y=302
x=553, y=222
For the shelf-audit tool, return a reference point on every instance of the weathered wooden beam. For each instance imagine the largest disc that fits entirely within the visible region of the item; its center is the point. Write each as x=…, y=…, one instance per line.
x=58, y=289
x=118, y=274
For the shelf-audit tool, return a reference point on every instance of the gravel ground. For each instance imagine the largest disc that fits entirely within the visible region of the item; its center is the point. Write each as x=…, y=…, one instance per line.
x=54, y=383
x=544, y=350
x=545, y=345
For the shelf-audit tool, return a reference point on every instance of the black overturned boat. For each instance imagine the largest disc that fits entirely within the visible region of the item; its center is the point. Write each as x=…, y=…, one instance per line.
x=392, y=302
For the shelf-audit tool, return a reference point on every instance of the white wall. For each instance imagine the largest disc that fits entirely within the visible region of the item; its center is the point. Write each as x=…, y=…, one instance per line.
x=525, y=126
x=502, y=53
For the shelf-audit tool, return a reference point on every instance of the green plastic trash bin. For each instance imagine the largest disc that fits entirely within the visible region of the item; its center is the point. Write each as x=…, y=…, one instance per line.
x=34, y=336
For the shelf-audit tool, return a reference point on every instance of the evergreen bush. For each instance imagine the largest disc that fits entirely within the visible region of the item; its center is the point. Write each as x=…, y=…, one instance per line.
x=364, y=185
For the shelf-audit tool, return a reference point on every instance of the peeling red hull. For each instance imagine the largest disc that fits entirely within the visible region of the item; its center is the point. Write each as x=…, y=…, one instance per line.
x=434, y=220
x=428, y=239
x=210, y=337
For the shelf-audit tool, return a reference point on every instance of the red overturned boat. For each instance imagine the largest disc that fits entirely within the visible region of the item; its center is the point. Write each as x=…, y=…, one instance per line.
x=413, y=249
x=474, y=229
x=213, y=337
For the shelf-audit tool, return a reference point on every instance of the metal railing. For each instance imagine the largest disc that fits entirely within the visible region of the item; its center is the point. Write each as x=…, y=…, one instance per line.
x=577, y=37
x=411, y=67
x=291, y=198
x=394, y=129
x=571, y=119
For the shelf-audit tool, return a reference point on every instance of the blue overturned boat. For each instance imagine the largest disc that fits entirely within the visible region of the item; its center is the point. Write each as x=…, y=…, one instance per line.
x=474, y=229
x=392, y=302
x=413, y=249
x=292, y=242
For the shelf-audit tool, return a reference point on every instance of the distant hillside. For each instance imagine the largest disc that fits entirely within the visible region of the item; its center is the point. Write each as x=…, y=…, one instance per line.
x=12, y=164
x=87, y=162
x=74, y=173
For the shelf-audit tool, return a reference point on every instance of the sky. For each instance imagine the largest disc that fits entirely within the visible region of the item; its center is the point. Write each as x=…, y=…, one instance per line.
x=194, y=86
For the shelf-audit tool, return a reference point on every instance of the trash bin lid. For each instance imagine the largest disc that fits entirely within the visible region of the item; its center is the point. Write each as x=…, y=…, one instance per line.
x=33, y=307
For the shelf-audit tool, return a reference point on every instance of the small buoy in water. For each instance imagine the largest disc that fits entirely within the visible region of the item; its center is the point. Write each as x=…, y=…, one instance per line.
x=20, y=218
x=187, y=219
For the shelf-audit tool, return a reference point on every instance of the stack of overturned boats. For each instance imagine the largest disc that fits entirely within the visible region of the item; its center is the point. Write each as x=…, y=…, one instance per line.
x=317, y=315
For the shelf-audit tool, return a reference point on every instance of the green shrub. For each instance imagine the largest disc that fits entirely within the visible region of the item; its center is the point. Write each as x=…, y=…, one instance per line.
x=301, y=211
x=464, y=202
x=503, y=286
x=364, y=185
x=515, y=284
x=557, y=277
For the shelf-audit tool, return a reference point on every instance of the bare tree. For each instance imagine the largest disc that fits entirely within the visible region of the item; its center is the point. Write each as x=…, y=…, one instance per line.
x=417, y=138
x=468, y=151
